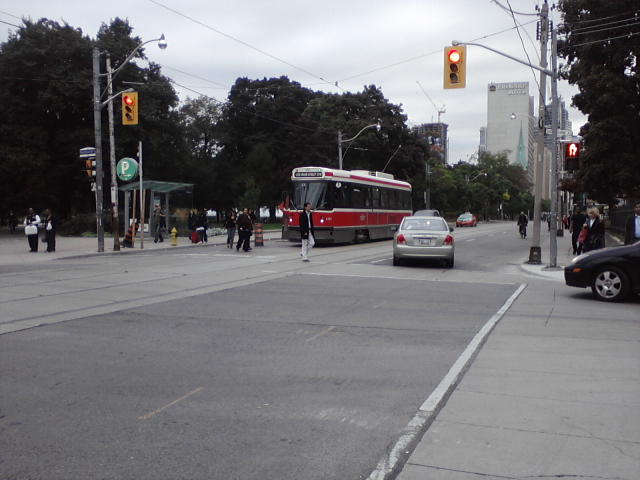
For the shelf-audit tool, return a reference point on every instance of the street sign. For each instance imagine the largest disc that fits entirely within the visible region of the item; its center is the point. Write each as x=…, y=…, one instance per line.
x=127, y=169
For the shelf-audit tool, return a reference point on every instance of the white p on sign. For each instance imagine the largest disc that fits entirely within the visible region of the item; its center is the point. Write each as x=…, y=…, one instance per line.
x=127, y=169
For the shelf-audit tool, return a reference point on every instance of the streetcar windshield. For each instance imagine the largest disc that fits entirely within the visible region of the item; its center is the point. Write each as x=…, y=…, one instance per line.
x=312, y=192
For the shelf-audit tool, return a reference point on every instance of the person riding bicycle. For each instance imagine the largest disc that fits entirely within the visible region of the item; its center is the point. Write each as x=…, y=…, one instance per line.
x=523, y=221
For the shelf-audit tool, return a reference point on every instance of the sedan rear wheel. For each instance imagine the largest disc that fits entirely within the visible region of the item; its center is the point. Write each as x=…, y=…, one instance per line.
x=396, y=261
x=610, y=285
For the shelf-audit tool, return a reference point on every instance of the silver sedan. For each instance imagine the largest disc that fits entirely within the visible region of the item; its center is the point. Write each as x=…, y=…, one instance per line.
x=424, y=237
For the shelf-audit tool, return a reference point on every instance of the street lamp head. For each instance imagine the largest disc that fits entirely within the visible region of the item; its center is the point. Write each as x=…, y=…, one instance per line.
x=513, y=116
x=162, y=43
x=378, y=127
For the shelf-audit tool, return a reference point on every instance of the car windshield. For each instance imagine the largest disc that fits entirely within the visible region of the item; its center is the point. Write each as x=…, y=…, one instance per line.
x=465, y=216
x=428, y=224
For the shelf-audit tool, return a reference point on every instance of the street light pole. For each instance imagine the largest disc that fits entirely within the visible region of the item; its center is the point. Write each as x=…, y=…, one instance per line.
x=115, y=223
x=535, y=252
x=97, y=126
x=553, y=247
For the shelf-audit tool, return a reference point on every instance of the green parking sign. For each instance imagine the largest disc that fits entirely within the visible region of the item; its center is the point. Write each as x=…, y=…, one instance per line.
x=127, y=169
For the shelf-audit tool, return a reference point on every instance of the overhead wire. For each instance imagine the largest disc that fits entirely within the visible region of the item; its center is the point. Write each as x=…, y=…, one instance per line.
x=242, y=42
x=633, y=19
x=428, y=54
x=509, y=9
x=522, y=43
x=628, y=35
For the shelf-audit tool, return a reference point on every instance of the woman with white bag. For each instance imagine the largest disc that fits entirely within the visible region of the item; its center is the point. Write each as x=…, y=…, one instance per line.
x=31, y=222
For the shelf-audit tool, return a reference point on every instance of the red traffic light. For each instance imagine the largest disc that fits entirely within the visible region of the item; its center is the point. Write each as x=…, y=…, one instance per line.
x=454, y=56
x=572, y=150
x=127, y=99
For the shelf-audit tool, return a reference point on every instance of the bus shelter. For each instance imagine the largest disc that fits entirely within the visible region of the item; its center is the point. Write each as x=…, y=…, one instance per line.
x=154, y=193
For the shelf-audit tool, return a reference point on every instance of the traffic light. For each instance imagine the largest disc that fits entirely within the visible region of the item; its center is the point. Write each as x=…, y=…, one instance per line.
x=572, y=156
x=88, y=159
x=130, y=108
x=455, y=67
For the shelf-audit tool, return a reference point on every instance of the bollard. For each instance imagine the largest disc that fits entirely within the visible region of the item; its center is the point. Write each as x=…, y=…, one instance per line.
x=129, y=238
x=258, y=232
x=174, y=237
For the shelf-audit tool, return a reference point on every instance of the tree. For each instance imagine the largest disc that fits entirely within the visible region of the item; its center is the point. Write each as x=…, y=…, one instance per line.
x=46, y=93
x=602, y=60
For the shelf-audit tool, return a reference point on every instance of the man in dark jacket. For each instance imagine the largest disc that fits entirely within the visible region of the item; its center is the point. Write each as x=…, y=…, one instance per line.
x=577, y=221
x=306, y=231
x=523, y=221
x=245, y=226
x=632, y=227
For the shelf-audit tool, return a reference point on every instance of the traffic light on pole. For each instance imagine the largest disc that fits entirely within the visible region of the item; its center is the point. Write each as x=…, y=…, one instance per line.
x=572, y=156
x=130, y=108
x=455, y=67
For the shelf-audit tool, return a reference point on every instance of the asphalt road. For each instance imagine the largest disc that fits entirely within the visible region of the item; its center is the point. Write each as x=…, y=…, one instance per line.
x=211, y=364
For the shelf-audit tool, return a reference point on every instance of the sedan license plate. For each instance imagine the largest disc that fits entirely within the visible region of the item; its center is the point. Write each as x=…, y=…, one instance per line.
x=425, y=242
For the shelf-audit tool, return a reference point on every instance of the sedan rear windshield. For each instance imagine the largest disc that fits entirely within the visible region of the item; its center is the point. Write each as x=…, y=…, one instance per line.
x=430, y=225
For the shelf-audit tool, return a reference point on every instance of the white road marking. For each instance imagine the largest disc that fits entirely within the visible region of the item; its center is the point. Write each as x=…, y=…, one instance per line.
x=432, y=405
x=382, y=260
x=323, y=332
x=391, y=278
x=470, y=240
x=155, y=412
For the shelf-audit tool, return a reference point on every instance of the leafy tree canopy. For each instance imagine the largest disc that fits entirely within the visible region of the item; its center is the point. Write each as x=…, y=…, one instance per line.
x=601, y=45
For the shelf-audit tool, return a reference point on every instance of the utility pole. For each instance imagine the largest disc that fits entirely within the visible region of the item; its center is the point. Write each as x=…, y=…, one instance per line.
x=535, y=252
x=141, y=195
x=97, y=125
x=339, y=150
x=115, y=223
x=553, y=246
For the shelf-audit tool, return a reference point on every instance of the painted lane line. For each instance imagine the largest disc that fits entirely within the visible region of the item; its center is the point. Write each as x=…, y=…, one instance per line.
x=381, y=260
x=323, y=332
x=386, y=277
x=391, y=464
x=470, y=240
x=155, y=412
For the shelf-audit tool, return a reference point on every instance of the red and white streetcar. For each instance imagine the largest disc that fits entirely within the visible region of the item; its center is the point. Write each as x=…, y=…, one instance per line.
x=348, y=206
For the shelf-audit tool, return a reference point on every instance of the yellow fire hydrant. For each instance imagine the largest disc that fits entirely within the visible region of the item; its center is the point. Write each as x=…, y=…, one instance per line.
x=174, y=237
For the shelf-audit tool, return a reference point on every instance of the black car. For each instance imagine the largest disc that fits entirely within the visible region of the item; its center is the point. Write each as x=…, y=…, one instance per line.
x=427, y=213
x=612, y=273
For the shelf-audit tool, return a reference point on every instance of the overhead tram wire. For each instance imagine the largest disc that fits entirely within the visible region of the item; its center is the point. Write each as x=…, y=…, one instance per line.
x=632, y=22
x=221, y=103
x=228, y=87
x=435, y=52
x=634, y=12
x=242, y=42
x=509, y=9
x=10, y=15
x=523, y=47
x=12, y=24
x=602, y=40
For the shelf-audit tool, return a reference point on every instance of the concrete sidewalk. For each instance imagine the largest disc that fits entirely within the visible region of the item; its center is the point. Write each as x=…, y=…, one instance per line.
x=553, y=393
x=15, y=250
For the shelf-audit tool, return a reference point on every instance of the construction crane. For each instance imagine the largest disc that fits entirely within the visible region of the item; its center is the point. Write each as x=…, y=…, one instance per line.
x=439, y=110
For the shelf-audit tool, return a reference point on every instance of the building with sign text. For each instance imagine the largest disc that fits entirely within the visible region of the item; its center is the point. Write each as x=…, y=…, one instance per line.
x=511, y=123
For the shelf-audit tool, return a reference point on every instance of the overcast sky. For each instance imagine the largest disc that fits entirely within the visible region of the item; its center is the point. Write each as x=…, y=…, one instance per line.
x=389, y=43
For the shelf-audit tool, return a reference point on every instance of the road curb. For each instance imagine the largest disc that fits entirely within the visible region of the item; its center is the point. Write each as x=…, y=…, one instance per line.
x=391, y=464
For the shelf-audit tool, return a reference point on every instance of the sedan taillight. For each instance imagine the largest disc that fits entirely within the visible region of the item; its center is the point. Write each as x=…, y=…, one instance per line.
x=400, y=239
x=448, y=240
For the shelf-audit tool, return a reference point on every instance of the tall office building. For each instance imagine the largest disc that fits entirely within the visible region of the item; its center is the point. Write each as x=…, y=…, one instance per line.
x=565, y=128
x=483, y=140
x=435, y=134
x=510, y=122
